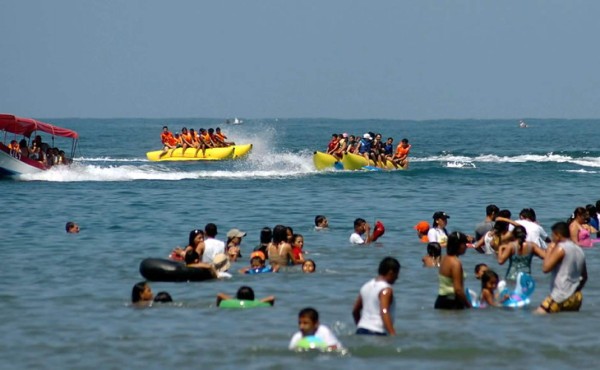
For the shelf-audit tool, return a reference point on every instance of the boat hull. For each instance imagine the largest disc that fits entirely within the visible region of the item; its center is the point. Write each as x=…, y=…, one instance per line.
x=11, y=166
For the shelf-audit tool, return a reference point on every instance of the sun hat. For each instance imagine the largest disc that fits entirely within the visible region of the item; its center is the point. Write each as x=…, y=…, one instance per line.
x=440, y=214
x=422, y=227
x=221, y=262
x=235, y=233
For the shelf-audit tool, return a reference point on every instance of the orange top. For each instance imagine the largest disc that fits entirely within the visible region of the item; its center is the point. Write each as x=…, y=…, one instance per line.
x=168, y=138
x=205, y=137
x=401, y=151
x=14, y=146
x=220, y=137
x=187, y=137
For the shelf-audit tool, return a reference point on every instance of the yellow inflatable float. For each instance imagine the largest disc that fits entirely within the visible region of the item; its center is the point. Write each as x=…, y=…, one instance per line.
x=211, y=154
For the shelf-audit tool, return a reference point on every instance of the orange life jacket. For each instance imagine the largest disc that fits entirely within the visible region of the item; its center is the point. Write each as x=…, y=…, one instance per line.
x=401, y=151
x=168, y=138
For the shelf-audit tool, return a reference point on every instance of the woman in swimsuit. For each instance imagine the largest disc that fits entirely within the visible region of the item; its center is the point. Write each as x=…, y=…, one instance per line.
x=579, y=228
x=279, y=250
x=519, y=254
x=451, y=293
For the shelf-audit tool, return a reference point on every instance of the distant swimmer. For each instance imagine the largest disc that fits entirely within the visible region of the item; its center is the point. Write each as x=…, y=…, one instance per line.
x=522, y=124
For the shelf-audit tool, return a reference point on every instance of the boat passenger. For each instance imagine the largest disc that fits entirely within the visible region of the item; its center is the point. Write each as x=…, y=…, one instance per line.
x=352, y=144
x=376, y=149
x=364, y=146
x=402, y=151
x=220, y=137
x=387, y=151
x=213, y=139
x=14, y=149
x=186, y=140
x=333, y=144
x=168, y=140
x=204, y=140
x=342, y=146
x=24, y=148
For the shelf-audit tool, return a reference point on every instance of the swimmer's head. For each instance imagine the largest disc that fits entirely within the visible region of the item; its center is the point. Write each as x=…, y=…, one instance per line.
x=389, y=268
x=245, y=293
x=308, y=321
x=489, y=280
x=257, y=259
x=480, y=268
x=163, y=297
x=321, y=221
x=434, y=249
x=309, y=266
x=141, y=292
x=192, y=257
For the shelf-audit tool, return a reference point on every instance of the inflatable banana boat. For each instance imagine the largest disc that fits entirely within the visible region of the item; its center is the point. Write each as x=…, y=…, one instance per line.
x=191, y=154
x=350, y=162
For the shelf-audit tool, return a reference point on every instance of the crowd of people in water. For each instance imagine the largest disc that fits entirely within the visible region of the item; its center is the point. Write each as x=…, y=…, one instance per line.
x=510, y=241
x=190, y=139
x=38, y=151
x=372, y=147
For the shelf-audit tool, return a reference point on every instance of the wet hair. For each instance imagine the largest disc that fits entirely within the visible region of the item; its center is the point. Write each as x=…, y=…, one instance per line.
x=388, y=264
x=404, y=141
x=287, y=228
x=491, y=209
x=266, y=235
x=319, y=219
x=579, y=211
x=69, y=226
x=210, y=230
x=163, y=297
x=528, y=214
x=245, y=293
x=487, y=276
x=191, y=257
x=211, y=130
x=434, y=249
x=520, y=233
x=279, y=234
x=502, y=226
x=309, y=312
x=311, y=261
x=165, y=127
x=479, y=266
x=455, y=240
x=562, y=229
x=137, y=290
x=359, y=221
x=193, y=235
x=295, y=236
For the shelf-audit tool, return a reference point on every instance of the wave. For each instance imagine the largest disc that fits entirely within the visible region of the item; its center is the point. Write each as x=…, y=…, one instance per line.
x=522, y=158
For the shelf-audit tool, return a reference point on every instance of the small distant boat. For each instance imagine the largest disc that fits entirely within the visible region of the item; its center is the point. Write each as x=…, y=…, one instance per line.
x=13, y=164
x=235, y=121
x=522, y=124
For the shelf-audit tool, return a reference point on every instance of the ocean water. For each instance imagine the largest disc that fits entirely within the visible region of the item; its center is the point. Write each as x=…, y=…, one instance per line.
x=64, y=298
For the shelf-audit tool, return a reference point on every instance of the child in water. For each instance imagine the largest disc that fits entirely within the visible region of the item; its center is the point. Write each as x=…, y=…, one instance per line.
x=434, y=255
x=480, y=269
x=309, y=266
x=257, y=264
x=244, y=293
x=489, y=283
x=308, y=323
x=297, y=245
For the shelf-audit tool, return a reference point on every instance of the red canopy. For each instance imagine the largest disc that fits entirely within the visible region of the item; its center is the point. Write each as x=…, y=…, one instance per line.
x=25, y=126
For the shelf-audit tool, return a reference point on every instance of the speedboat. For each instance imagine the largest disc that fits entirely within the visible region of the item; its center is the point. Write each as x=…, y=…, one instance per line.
x=12, y=163
x=522, y=124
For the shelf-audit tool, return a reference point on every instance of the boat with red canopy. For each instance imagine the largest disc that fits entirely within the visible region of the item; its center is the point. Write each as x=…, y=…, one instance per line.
x=16, y=157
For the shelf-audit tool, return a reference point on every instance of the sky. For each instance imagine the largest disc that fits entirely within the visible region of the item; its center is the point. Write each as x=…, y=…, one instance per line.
x=396, y=59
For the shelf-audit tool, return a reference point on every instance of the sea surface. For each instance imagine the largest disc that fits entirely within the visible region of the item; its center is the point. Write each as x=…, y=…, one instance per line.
x=64, y=299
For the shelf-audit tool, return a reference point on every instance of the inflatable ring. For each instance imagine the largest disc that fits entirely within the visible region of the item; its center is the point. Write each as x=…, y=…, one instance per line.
x=158, y=269
x=311, y=342
x=242, y=303
x=379, y=230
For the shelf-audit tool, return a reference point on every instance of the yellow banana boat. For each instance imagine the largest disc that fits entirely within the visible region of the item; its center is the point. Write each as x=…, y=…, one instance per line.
x=210, y=154
x=350, y=162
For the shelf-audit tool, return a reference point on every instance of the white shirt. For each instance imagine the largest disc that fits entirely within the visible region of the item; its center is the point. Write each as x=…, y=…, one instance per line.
x=370, y=316
x=355, y=238
x=535, y=233
x=323, y=333
x=437, y=235
x=212, y=247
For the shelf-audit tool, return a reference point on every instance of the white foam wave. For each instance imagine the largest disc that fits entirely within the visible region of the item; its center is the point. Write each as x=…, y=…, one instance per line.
x=457, y=164
x=109, y=159
x=580, y=171
x=523, y=158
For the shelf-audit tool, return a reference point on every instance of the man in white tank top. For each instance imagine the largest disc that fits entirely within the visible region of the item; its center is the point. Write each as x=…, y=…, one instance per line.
x=374, y=309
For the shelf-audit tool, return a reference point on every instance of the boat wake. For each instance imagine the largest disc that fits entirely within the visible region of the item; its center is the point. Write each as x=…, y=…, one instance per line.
x=456, y=160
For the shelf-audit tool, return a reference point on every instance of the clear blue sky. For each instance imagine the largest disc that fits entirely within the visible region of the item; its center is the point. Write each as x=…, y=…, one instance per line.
x=417, y=59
